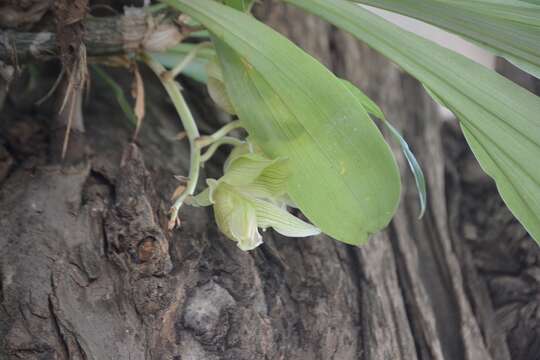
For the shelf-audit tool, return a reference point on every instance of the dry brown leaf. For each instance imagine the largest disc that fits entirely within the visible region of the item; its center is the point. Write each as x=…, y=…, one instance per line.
x=77, y=78
x=181, y=135
x=179, y=191
x=181, y=178
x=137, y=91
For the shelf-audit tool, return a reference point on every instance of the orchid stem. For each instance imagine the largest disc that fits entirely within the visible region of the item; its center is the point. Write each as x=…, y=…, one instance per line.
x=225, y=140
x=207, y=140
x=177, y=70
x=174, y=91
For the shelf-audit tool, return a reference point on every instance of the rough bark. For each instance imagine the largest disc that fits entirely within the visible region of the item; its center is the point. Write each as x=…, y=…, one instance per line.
x=88, y=271
x=102, y=36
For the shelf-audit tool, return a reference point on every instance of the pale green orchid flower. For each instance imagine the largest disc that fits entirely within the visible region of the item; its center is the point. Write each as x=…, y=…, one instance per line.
x=251, y=195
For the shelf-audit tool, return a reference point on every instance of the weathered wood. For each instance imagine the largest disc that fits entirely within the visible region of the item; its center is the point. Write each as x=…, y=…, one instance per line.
x=7, y=73
x=134, y=31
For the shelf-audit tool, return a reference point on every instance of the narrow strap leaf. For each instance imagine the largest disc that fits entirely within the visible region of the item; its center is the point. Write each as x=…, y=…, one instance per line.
x=508, y=28
x=502, y=118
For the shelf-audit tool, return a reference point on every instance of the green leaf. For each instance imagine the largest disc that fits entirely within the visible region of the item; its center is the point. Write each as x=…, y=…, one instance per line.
x=509, y=28
x=183, y=49
x=501, y=120
x=119, y=94
x=370, y=106
x=343, y=175
x=242, y=5
x=415, y=167
x=196, y=68
x=374, y=109
x=515, y=10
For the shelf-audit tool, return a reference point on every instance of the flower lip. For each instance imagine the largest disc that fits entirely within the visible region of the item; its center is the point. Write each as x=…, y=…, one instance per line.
x=252, y=194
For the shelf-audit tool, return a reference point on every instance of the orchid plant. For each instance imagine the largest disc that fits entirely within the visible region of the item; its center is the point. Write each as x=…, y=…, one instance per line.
x=312, y=142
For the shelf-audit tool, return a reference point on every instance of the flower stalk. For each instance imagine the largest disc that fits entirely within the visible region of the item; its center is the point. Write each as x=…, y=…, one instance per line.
x=226, y=140
x=192, y=132
x=177, y=70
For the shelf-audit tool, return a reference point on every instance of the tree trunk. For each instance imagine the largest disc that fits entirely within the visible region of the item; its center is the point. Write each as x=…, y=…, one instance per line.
x=89, y=271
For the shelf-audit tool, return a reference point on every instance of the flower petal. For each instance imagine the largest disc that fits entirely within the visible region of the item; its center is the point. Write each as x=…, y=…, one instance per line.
x=238, y=151
x=216, y=90
x=274, y=178
x=245, y=169
x=271, y=184
x=205, y=197
x=236, y=217
x=244, y=227
x=270, y=215
x=216, y=87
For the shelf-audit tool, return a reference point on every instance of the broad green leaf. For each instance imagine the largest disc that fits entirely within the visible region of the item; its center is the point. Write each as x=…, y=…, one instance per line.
x=242, y=5
x=501, y=120
x=374, y=109
x=370, y=106
x=343, y=175
x=509, y=28
x=516, y=10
